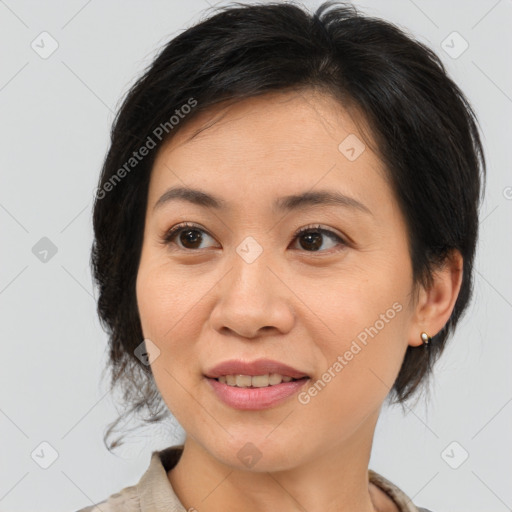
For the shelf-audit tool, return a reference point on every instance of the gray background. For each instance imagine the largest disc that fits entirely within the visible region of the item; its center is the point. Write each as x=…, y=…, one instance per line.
x=56, y=113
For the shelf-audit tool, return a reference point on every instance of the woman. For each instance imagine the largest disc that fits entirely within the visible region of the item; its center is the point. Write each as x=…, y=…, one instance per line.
x=285, y=228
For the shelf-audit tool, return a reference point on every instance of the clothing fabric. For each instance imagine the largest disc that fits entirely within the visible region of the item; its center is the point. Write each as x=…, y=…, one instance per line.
x=154, y=492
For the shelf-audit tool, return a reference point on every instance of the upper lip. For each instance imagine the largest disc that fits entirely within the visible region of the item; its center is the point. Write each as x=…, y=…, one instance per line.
x=252, y=368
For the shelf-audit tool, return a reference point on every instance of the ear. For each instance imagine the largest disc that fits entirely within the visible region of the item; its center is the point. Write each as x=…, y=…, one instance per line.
x=435, y=304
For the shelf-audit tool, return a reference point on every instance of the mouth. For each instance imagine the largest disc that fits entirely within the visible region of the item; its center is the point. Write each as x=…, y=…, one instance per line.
x=253, y=397
x=255, y=385
x=256, y=381
x=261, y=370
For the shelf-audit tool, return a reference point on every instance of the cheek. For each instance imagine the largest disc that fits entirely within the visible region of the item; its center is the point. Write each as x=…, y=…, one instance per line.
x=164, y=315
x=165, y=299
x=170, y=313
x=366, y=317
x=359, y=373
x=353, y=302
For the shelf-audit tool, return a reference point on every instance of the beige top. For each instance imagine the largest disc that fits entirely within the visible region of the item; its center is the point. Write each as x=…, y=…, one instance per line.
x=154, y=492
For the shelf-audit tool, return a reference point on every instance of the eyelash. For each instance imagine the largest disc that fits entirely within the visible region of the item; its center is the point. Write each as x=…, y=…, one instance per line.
x=171, y=234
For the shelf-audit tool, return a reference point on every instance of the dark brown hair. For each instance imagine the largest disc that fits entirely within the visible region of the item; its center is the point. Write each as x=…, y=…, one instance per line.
x=424, y=127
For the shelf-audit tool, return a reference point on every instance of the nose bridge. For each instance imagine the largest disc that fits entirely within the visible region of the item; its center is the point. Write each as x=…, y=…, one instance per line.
x=250, y=296
x=250, y=278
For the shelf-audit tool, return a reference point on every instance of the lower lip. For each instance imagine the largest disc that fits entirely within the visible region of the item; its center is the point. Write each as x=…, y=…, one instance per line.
x=255, y=398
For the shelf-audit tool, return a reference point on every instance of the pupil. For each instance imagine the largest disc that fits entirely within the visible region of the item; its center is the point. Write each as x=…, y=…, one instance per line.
x=315, y=238
x=186, y=238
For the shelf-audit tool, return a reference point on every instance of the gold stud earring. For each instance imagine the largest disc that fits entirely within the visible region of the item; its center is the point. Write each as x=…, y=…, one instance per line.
x=426, y=339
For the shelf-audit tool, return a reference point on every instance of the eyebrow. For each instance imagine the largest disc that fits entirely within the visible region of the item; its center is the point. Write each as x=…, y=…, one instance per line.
x=286, y=203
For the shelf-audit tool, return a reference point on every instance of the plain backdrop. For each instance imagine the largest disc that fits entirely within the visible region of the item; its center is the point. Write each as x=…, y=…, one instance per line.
x=451, y=454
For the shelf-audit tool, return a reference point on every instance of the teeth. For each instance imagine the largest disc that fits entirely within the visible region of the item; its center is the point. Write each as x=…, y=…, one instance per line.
x=243, y=381
x=256, y=381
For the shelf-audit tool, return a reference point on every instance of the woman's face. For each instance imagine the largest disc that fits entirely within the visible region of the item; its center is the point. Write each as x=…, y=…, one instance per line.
x=238, y=284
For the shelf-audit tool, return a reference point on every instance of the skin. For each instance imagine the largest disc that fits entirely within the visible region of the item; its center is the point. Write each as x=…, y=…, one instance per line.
x=204, y=305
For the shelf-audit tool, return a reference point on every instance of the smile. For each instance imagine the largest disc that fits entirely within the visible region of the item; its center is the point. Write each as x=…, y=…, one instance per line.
x=252, y=397
x=254, y=381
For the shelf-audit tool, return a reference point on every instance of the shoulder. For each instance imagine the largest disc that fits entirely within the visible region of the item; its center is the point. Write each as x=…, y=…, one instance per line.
x=153, y=491
x=126, y=500
x=401, y=501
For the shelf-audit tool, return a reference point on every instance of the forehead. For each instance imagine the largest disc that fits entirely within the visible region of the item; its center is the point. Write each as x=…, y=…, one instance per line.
x=283, y=139
x=280, y=119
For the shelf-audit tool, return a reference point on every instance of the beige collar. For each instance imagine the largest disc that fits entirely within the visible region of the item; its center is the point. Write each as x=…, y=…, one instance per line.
x=157, y=495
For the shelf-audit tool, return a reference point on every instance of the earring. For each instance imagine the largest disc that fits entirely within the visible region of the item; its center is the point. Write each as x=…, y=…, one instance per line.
x=426, y=339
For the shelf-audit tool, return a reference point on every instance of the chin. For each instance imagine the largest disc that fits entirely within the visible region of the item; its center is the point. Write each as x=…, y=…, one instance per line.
x=257, y=454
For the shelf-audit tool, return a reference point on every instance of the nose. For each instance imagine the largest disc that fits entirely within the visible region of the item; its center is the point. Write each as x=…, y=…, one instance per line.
x=252, y=301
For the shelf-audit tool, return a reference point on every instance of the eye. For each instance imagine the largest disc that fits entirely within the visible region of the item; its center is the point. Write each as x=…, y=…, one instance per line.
x=191, y=236
x=314, y=236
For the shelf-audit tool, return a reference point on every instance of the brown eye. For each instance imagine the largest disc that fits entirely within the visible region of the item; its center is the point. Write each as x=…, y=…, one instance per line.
x=188, y=236
x=312, y=238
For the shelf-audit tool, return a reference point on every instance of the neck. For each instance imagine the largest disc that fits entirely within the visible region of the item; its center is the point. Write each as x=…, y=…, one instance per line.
x=334, y=480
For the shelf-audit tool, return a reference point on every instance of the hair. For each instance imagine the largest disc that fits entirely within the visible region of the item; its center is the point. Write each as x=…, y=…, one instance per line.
x=424, y=128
